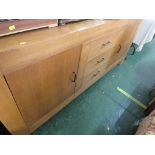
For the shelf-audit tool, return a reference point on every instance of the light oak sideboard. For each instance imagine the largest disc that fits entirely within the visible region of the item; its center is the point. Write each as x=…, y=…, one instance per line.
x=42, y=71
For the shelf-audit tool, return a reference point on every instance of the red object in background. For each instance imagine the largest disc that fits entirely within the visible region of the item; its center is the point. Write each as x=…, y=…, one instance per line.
x=8, y=27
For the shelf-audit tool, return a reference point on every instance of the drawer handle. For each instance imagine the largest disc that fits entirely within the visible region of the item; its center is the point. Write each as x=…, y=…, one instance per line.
x=119, y=49
x=99, y=61
x=105, y=44
x=95, y=74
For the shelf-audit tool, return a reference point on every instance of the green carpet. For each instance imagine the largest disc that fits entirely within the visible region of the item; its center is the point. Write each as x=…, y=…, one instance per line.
x=102, y=109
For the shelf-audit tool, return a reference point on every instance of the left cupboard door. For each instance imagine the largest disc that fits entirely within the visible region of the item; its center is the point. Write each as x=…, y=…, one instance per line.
x=41, y=87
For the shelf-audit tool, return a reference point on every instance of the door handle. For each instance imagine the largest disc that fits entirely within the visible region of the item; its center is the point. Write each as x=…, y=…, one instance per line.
x=119, y=48
x=74, y=77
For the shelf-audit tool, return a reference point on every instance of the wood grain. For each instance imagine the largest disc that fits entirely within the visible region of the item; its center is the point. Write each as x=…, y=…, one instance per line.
x=105, y=42
x=41, y=44
x=99, y=61
x=125, y=41
x=9, y=113
x=41, y=87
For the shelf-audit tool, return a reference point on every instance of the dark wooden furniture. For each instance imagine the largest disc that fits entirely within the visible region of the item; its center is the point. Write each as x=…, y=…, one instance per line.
x=8, y=27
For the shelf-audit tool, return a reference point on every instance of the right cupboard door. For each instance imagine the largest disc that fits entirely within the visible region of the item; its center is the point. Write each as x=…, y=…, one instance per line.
x=41, y=87
x=125, y=41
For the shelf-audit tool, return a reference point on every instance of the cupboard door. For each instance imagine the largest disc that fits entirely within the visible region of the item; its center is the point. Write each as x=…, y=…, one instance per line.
x=118, y=52
x=122, y=45
x=39, y=88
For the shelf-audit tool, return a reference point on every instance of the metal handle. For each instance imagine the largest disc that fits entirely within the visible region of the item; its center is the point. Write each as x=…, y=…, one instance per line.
x=99, y=61
x=105, y=44
x=74, y=77
x=96, y=73
x=119, y=49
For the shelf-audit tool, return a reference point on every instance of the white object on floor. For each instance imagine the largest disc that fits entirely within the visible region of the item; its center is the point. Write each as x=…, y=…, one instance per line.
x=145, y=33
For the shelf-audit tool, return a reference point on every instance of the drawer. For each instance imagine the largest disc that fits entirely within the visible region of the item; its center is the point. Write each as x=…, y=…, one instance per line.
x=99, y=61
x=104, y=43
x=94, y=76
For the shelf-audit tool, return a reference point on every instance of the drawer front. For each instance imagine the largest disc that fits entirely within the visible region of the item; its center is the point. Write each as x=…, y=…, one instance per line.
x=94, y=76
x=104, y=43
x=99, y=61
